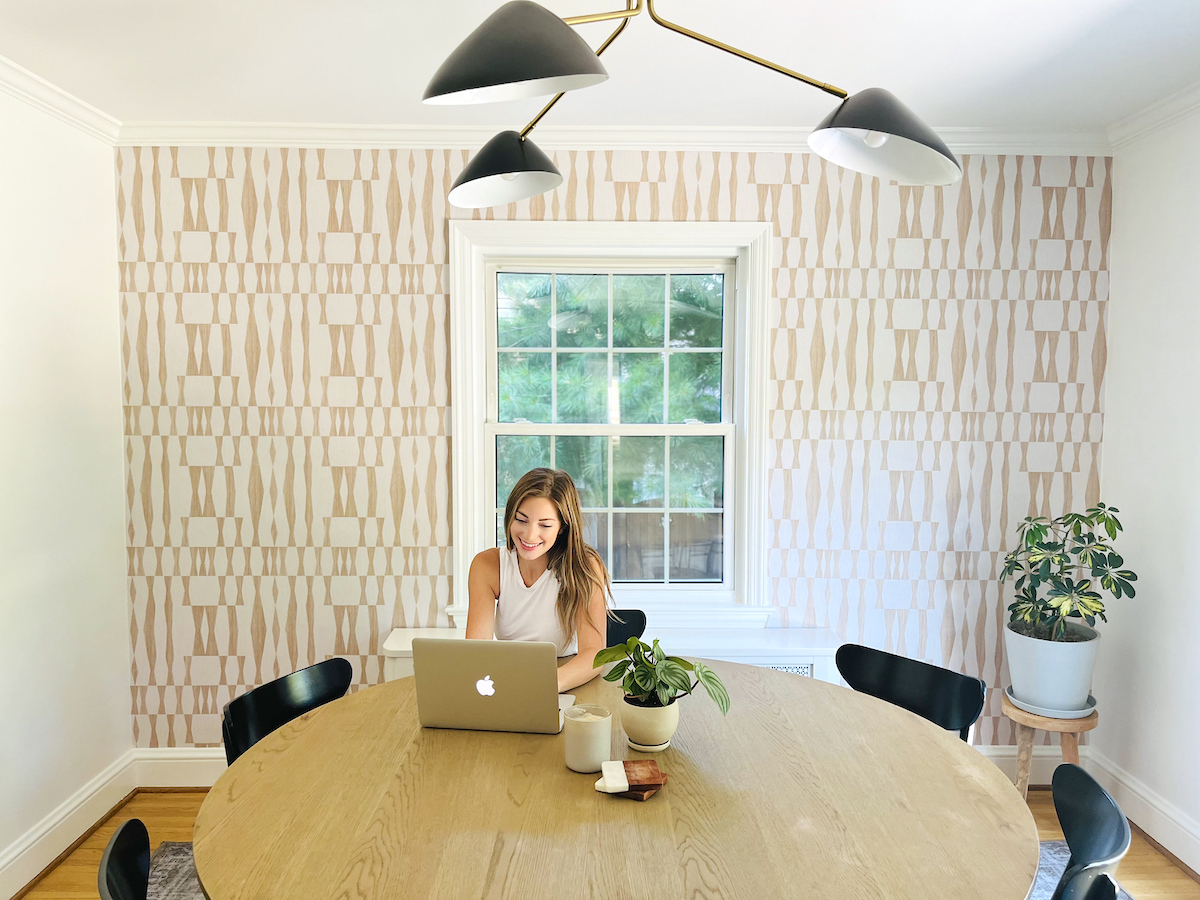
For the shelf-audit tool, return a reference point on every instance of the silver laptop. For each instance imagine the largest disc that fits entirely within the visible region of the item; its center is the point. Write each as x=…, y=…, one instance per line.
x=488, y=685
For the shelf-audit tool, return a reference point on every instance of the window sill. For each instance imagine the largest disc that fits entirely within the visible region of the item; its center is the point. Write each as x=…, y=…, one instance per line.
x=782, y=647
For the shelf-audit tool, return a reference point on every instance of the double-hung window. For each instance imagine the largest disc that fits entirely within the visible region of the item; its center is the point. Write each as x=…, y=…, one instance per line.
x=618, y=375
x=625, y=355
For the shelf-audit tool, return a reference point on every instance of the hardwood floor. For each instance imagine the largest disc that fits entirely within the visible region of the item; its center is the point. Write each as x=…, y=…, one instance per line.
x=168, y=815
x=1145, y=873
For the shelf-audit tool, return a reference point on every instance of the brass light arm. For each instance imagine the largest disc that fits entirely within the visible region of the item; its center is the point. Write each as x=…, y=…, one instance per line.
x=828, y=88
x=628, y=12
x=633, y=7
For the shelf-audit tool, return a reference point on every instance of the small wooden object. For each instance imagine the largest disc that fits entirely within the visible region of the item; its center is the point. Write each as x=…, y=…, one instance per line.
x=1027, y=722
x=643, y=777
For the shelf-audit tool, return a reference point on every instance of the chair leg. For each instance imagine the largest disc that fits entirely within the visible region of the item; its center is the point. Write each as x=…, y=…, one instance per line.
x=1024, y=757
x=1070, y=747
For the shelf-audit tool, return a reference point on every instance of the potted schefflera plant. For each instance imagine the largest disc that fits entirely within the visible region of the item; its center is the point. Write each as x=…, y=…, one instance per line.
x=1059, y=565
x=652, y=682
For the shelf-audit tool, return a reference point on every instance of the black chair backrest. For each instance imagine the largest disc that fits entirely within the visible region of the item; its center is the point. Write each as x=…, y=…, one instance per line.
x=125, y=865
x=949, y=699
x=251, y=717
x=632, y=624
x=1095, y=828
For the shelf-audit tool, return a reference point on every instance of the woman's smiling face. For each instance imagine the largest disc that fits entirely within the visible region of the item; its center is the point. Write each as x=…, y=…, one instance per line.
x=535, y=527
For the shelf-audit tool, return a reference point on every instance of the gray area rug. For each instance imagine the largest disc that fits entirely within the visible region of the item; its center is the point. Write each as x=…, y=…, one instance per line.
x=173, y=873
x=1051, y=863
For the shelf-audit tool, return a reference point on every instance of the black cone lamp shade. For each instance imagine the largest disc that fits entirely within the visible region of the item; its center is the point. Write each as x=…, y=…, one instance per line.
x=505, y=170
x=874, y=133
x=521, y=50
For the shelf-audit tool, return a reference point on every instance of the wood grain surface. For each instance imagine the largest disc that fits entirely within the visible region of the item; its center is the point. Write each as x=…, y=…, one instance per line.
x=806, y=789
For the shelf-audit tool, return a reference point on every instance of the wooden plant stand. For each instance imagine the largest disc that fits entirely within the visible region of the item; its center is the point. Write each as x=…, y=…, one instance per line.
x=1027, y=722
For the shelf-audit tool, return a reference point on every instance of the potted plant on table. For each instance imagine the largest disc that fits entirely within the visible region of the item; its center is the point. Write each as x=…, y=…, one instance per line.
x=1059, y=564
x=652, y=682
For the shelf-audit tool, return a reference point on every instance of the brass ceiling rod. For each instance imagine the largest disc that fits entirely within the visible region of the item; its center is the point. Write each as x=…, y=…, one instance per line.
x=627, y=13
x=712, y=42
x=632, y=8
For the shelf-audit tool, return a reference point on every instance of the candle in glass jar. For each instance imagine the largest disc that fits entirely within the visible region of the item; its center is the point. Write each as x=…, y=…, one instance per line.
x=587, y=736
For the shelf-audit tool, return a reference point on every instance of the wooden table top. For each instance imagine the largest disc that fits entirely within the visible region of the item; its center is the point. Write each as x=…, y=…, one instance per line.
x=806, y=789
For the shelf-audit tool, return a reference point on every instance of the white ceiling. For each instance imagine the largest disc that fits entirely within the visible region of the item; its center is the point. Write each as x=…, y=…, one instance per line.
x=1053, y=66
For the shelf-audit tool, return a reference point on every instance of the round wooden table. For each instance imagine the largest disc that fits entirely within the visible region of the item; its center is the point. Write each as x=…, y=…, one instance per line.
x=806, y=789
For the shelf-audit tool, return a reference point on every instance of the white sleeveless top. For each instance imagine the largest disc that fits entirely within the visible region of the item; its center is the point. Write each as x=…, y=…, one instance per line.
x=528, y=613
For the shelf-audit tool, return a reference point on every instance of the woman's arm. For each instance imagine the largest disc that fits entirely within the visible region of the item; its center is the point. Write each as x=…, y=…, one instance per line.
x=483, y=587
x=591, y=631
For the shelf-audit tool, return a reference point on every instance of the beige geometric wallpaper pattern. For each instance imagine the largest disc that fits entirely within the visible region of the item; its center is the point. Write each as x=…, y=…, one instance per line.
x=937, y=359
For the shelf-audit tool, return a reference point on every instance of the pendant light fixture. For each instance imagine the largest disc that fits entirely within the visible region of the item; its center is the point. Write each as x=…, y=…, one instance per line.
x=874, y=133
x=518, y=52
x=521, y=50
x=505, y=170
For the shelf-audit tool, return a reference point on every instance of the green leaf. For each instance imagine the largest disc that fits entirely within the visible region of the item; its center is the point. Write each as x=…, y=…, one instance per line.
x=643, y=677
x=681, y=662
x=712, y=683
x=664, y=694
x=628, y=685
x=616, y=674
x=610, y=654
x=673, y=675
x=636, y=652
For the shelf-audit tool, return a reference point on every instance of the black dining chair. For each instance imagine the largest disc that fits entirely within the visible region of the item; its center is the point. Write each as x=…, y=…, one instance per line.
x=629, y=623
x=1096, y=831
x=247, y=719
x=125, y=865
x=949, y=699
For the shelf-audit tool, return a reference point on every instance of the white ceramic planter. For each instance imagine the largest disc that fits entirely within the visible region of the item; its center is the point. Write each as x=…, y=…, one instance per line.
x=649, y=728
x=1052, y=674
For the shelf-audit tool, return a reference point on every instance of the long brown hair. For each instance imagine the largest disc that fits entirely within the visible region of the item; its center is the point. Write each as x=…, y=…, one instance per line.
x=579, y=568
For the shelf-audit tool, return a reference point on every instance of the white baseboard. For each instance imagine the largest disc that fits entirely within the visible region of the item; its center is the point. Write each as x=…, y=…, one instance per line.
x=1046, y=758
x=23, y=859
x=179, y=766
x=26, y=857
x=1153, y=813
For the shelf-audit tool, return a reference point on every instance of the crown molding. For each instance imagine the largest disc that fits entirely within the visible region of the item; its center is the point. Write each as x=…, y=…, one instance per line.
x=620, y=137
x=299, y=134
x=39, y=93
x=1155, y=117
x=1026, y=143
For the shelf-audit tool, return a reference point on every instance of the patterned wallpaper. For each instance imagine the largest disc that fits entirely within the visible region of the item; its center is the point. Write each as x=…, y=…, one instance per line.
x=937, y=360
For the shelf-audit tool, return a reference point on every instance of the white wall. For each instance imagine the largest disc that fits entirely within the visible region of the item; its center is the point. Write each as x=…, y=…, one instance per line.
x=1148, y=674
x=64, y=627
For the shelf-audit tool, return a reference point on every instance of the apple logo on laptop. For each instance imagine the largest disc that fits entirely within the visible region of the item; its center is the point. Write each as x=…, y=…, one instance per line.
x=485, y=686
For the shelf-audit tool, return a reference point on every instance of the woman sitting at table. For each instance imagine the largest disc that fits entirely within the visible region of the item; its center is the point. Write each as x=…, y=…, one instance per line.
x=546, y=584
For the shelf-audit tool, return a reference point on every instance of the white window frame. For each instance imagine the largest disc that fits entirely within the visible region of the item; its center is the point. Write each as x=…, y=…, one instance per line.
x=476, y=249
